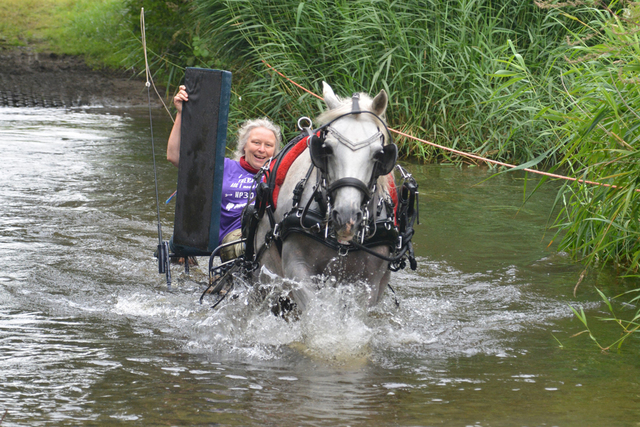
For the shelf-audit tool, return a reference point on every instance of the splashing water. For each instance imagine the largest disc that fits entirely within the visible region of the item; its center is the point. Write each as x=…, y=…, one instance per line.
x=90, y=335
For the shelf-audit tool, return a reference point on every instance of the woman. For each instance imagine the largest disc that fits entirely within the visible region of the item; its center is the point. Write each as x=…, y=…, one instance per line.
x=258, y=141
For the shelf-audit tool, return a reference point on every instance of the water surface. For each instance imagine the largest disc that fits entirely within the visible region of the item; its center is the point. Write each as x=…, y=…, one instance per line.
x=89, y=334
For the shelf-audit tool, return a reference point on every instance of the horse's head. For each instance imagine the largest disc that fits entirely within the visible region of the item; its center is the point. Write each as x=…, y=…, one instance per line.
x=352, y=152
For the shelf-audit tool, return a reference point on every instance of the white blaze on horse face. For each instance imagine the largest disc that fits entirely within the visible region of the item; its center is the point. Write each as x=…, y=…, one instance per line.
x=346, y=162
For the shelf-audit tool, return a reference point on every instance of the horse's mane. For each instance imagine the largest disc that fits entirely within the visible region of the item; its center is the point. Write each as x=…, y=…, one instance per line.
x=365, y=102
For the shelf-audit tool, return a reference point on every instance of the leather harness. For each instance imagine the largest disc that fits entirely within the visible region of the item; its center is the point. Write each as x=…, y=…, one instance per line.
x=395, y=230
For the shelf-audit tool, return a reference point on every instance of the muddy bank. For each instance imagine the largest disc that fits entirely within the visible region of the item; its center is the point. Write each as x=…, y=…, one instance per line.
x=30, y=79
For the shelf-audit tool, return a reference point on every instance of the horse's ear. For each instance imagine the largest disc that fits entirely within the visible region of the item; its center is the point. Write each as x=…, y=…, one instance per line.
x=330, y=98
x=379, y=104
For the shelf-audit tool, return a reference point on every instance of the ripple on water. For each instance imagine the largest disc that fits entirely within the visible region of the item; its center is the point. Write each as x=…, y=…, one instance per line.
x=89, y=333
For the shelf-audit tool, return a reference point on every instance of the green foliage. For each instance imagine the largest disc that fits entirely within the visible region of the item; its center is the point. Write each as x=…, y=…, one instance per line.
x=169, y=34
x=108, y=32
x=587, y=104
x=628, y=328
x=439, y=60
x=594, y=118
x=97, y=30
x=433, y=57
x=600, y=139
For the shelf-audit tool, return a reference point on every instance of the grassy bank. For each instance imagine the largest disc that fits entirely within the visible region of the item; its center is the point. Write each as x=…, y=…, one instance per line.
x=99, y=30
x=33, y=22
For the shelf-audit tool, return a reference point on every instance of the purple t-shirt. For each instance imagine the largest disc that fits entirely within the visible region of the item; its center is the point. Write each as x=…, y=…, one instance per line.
x=237, y=184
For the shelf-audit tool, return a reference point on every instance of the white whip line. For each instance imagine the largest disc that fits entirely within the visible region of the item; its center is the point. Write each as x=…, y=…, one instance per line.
x=146, y=63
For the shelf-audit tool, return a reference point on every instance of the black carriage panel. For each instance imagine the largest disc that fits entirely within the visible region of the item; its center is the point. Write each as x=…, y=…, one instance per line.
x=201, y=168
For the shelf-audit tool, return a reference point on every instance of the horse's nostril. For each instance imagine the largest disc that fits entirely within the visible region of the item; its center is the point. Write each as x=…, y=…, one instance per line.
x=352, y=219
x=335, y=216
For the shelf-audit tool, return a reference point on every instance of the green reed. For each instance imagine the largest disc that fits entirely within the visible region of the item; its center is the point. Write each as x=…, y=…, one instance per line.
x=437, y=59
x=434, y=58
x=598, y=135
x=594, y=122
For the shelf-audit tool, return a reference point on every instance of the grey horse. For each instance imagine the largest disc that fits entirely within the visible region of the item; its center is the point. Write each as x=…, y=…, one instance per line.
x=344, y=189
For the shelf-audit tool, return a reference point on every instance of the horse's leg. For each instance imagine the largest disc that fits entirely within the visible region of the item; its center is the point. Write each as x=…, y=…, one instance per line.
x=272, y=261
x=302, y=259
x=268, y=257
x=379, y=277
x=370, y=269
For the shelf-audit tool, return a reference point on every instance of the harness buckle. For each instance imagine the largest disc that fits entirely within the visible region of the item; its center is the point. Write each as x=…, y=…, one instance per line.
x=300, y=123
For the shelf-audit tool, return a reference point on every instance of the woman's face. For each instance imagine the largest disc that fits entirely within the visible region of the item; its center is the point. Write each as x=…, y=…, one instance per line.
x=260, y=147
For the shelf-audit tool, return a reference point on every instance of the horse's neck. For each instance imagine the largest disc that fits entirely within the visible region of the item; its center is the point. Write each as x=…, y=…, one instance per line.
x=297, y=172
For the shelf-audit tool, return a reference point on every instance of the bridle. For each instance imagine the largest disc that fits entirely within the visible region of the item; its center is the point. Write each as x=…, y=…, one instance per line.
x=385, y=160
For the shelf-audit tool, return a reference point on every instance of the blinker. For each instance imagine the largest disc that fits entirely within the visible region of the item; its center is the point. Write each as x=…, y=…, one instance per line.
x=319, y=151
x=386, y=159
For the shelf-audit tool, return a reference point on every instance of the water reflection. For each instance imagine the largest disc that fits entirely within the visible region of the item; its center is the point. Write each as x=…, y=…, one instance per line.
x=90, y=335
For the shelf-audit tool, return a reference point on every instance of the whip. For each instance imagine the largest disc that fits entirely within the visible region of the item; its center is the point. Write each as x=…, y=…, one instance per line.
x=163, y=247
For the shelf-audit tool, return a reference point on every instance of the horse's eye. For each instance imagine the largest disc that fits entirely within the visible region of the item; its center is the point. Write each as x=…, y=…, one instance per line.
x=327, y=150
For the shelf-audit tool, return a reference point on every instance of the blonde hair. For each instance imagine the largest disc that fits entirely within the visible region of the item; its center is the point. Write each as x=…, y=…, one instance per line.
x=248, y=126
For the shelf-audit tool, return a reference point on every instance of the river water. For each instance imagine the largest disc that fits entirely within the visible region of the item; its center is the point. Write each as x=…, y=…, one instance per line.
x=90, y=335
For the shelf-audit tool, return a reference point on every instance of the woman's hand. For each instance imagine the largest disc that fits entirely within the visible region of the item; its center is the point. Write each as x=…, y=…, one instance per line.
x=181, y=97
x=173, y=145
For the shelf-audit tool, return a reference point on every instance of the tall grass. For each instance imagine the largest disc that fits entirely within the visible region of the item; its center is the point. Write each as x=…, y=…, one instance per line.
x=600, y=135
x=597, y=132
x=433, y=57
x=595, y=124
x=436, y=59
